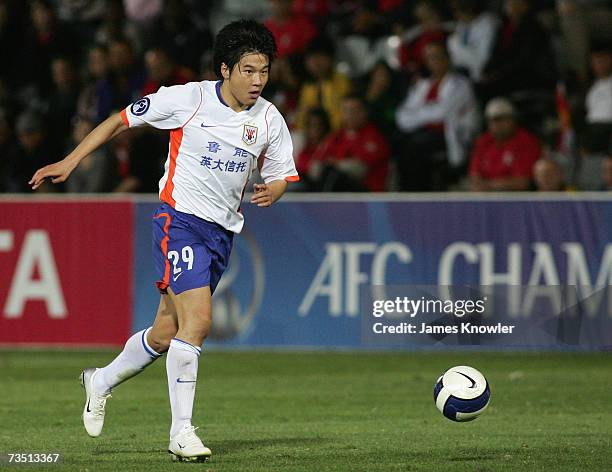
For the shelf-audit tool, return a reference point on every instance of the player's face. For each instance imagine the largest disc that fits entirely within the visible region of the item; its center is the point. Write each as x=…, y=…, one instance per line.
x=246, y=81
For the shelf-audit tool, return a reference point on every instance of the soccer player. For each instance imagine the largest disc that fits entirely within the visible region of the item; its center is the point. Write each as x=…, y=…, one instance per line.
x=219, y=132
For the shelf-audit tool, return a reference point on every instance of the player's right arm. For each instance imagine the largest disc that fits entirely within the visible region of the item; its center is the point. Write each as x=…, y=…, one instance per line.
x=59, y=171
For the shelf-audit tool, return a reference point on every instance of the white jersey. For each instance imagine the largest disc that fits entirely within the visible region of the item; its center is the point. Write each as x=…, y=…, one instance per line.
x=214, y=149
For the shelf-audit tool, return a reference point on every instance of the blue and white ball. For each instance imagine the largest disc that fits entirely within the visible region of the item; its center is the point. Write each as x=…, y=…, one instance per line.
x=462, y=393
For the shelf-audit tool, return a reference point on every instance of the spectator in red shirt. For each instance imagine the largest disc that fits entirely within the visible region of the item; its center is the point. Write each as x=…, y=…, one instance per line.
x=504, y=156
x=354, y=158
x=291, y=32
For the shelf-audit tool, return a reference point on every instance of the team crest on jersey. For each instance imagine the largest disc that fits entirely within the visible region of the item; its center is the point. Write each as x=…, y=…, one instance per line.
x=249, y=135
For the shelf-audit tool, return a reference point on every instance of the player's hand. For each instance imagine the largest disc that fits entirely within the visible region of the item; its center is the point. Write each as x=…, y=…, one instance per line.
x=58, y=172
x=263, y=195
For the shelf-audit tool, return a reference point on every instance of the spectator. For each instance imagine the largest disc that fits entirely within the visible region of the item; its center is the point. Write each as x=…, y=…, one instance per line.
x=548, y=176
x=606, y=173
x=522, y=58
x=471, y=44
x=283, y=89
x=62, y=100
x=438, y=116
x=291, y=32
x=177, y=32
x=163, y=71
x=46, y=39
x=381, y=92
x=325, y=87
x=598, y=127
x=116, y=28
x=315, y=133
x=583, y=22
x=430, y=29
x=354, y=158
x=363, y=38
x=81, y=17
x=97, y=70
x=123, y=83
x=96, y=171
x=504, y=156
x=34, y=151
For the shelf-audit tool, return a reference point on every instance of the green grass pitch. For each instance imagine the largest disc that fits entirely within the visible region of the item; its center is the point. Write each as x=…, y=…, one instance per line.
x=280, y=411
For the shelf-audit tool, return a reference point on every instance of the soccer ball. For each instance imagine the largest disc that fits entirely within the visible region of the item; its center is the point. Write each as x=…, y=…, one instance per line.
x=462, y=393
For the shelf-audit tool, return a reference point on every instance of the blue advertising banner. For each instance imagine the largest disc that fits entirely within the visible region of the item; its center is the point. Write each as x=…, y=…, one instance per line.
x=299, y=269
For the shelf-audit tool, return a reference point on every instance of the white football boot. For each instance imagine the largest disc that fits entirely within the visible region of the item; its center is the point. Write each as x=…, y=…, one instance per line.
x=94, y=410
x=187, y=446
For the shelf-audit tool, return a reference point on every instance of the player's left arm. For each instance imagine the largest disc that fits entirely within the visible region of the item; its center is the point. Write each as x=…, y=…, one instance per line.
x=276, y=165
x=266, y=194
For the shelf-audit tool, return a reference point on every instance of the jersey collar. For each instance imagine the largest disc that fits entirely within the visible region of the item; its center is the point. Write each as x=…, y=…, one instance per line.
x=220, y=97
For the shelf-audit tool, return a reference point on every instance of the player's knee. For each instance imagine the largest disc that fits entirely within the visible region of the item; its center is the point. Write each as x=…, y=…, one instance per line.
x=205, y=331
x=200, y=331
x=196, y=329
x=160, y=343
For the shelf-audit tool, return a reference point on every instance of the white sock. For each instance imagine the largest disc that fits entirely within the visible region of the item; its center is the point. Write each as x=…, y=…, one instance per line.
x=182, y=370
x=136, y=355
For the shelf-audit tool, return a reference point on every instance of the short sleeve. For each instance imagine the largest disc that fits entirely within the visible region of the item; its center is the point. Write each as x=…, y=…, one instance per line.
x=168, y=108
x=278, y=163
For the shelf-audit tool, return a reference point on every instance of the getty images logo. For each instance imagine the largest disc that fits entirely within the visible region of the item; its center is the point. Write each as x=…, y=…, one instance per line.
x=240, y=292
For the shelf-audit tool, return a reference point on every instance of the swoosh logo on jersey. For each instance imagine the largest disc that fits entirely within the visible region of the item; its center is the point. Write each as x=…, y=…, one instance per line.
x=469, y=378
x=174, y=278
x=207, y=126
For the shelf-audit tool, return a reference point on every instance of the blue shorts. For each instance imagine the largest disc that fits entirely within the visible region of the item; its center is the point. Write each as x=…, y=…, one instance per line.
x=189, y=252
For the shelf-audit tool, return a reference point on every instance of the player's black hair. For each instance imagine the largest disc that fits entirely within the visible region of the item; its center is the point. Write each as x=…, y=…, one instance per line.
x=239, y=38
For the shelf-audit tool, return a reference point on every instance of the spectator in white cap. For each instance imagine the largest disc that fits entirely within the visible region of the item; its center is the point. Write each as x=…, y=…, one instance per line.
x=503, y=157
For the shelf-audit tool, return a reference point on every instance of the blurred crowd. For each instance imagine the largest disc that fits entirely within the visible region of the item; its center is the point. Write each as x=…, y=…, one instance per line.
x=380, y=95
